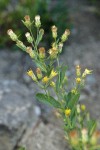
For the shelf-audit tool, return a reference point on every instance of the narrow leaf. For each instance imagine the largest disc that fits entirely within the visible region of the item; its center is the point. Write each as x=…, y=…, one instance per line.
x=48, y=100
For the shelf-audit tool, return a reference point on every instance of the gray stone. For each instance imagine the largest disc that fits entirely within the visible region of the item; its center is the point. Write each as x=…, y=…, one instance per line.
x=44, y=137
x=17, y=113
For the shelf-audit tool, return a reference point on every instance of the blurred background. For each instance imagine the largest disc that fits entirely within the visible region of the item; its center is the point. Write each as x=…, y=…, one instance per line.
x=23, y=120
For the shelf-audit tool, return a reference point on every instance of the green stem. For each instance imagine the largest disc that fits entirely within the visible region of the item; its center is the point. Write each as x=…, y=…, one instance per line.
x=58, y=61
x=32, y=37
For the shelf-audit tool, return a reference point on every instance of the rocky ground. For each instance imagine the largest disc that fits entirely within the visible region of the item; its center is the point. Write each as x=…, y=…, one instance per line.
x=23, y=120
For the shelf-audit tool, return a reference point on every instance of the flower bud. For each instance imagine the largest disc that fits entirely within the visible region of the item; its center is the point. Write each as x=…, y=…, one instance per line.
x=12, y=35
x=52, y=84
x=30, y=52
x=21, y=45
x=83, y=107
x=53, y=52
x=39, y=73
x=29, y=38
x=37, y=21
x=41, y=52
x=60, y=46
x=95, y=138
x=27, y=21
x=78, y=71
x=27, y=18
x=74, y=137
x=78, y=109
x=54, y=32
x=74, y=91
x=41, y=33
x=32, y=75
x=84, y=135
x=65, y=35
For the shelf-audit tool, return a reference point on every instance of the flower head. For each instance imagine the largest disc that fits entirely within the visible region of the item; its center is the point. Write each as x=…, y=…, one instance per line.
x=12, y=35
x=53, y=74
x=53, y=52
x=27, y=18
x=21, y=45
x=83, y=107
x=65, y=35
x=45, y=80
x=84, y=133
x=54, y=31
x=74, y=137
x=41, y=52
x=60, y=46
x=29, y=37
x=52, y=84
x=32, y=75
x=39, y=73
x=74, y=91
x=78, y=80
x=27, y=21
x=37, y=21
x=67, y=112
x=95, y=137
x=86, y=72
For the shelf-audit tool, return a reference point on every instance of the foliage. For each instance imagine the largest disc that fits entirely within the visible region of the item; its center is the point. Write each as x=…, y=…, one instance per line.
x=80, y=129
x=51, y=13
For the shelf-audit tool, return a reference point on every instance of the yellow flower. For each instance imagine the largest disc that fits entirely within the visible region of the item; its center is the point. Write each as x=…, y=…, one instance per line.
x=31, y=74
x=67, y=112
x=53, y=74
x=86, y=72
x=83, y=107
x=78, y=80
x=52, y=84
x=45, y=79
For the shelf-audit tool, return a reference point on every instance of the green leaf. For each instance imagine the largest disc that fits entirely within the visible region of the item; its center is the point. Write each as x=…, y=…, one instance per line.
x=62, y=73
x=92, y=126
x=21, y=148
x=71, y=99
x=48, y=100
x=58, y=83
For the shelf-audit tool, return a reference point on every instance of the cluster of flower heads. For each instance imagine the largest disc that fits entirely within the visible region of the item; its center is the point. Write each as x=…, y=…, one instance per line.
x=40, y=53
x=85, y=138
x=36, y=52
